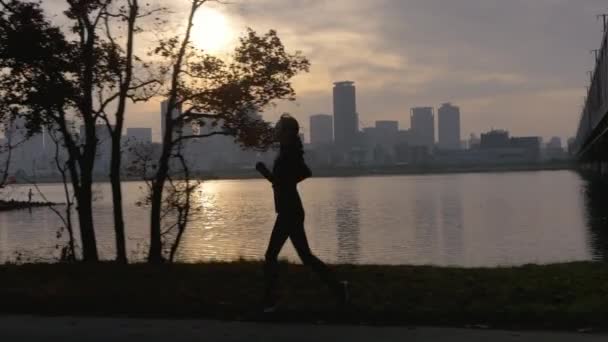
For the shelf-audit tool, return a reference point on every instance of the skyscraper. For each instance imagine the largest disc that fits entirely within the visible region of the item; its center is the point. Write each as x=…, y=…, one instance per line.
x=422, y=130
x=449, y=127
x=321, y=129
x=346, y=121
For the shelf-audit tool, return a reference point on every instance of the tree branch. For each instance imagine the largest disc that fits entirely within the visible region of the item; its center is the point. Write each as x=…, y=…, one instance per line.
x=195, y=136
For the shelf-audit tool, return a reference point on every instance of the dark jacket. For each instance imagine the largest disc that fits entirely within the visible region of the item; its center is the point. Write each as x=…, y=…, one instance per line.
x=289, y=169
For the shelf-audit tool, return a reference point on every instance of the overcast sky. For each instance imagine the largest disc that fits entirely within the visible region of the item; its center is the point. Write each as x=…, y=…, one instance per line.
x=518, y=65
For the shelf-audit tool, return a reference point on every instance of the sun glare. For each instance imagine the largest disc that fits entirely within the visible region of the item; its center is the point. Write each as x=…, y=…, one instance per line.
x=212, y=30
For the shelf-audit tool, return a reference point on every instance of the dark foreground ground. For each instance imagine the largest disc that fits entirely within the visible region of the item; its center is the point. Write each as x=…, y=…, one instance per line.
x=77, y=329
x=567, y=297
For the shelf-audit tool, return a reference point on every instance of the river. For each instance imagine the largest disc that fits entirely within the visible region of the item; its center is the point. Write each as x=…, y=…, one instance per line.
x=475, y=219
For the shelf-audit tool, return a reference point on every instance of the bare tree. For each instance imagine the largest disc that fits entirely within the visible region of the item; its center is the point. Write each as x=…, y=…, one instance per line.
x=69, y=253
x=122, y=66
x=207, y=91
x=178, y=207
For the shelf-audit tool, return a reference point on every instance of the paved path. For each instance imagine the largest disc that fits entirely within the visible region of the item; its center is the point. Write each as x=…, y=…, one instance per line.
x=68, y=329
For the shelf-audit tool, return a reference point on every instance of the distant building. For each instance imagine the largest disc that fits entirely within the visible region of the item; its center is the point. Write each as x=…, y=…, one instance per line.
x=555, y=151
x=422, y=131
x=388, y=127
x=402, y=147
x=388, y=132
x=474, y=142
x=555, y=143
x=139, y=135
x=346, y=120
x=448, y=127
x=321, y=129
x=419, y=155
x=494, y=139
x=530, y=145
x=571, y=142
x=403, y=136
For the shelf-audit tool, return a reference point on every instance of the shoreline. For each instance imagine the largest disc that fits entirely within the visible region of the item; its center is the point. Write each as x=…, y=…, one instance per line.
x=347, y=172
x=22, y=205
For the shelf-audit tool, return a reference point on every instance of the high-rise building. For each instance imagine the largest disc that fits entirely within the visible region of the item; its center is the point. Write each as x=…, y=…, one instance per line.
x=321, y=129
x=142, y=135
x=422, y=131
x=448, y=127
x=346, y=121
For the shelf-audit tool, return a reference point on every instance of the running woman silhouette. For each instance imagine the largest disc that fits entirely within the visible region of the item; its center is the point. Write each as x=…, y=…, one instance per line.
x=289, y=169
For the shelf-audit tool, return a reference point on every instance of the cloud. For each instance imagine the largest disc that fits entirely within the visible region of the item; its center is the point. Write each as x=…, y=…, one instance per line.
x=517, y=64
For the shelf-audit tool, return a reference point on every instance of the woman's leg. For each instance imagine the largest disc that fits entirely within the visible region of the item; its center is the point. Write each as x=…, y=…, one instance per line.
x=271, y=266
x=300, y=242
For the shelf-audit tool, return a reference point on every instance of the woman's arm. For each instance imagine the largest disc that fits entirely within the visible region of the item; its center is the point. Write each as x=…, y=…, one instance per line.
x=262, y=169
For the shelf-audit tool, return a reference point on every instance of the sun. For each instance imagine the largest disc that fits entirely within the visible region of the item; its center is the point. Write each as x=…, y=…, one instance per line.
x=212, y=31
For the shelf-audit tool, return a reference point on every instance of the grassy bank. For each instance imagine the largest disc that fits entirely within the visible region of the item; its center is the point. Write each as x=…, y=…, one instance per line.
x=563, y=296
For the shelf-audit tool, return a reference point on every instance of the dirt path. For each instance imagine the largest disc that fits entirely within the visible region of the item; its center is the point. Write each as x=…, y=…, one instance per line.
x=67, y=329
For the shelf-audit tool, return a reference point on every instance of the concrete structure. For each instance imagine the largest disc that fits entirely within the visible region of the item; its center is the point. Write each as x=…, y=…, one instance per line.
x=591, y=140
x=321, y=129
x=422, y=132
x=346, y=119
x=448, y=127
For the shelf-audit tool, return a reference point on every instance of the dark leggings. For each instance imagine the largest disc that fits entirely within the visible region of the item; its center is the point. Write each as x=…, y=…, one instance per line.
x=292, y=226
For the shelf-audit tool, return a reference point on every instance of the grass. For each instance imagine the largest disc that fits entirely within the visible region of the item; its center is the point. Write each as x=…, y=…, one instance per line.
x=561, y=296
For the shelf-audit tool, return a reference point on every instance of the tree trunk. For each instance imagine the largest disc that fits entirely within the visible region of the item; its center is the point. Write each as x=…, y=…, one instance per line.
x=85, y=218
x=155, y=255
x=119, y=225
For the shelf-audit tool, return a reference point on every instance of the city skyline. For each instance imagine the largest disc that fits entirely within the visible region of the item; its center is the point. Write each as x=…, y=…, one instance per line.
x=485, y=55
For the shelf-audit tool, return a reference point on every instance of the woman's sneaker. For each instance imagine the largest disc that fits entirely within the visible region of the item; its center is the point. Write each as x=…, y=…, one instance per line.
x=269, y=305
x=268, y=309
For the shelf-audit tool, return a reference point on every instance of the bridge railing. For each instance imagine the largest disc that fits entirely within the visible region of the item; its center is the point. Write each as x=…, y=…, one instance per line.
x=596, y=104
